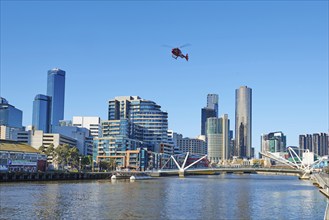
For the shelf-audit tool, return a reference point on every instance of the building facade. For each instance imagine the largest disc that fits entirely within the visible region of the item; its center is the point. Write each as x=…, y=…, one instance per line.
x=218, y=139
x=56, y=90
x=212, y=103
x=9, y=115
x=243, y=122
x=210, y=111
x=192, y=145
x=19, y=157
x=37, y=138
x=41, y=113
x=273, y=142
x=92, y=123
x=316, y=143
x=148, y=123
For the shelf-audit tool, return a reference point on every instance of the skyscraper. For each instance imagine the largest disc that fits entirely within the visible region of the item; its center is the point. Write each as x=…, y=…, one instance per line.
x=56, y=90
x=205, y=114
x=41, y=113
x=243, y=120
x=9, y=115
x=147, y=115
x=210, y=111
x=218, y=138
x=212, y=103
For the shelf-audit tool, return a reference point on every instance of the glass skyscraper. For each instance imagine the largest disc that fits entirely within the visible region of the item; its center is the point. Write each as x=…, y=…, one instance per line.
x=212, y=103
x=9, y=115
x=41, y=113
x=243, y=107
x=56, y=90
x=210, y=111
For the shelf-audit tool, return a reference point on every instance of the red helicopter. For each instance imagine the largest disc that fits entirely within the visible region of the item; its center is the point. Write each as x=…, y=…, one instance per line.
x=176, y=52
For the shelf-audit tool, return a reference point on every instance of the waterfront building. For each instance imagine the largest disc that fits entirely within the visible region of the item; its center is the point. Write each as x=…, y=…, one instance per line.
x=243, y=122
x=192, y=145
x=9, y=115
x=92, y=123
x=137, y=159
x=218, y=139
x=56, y=90
x=19, y=157
x=273, y=142
x=41, y=113
x=145, y=117
x=115, y=148
x=316, y=143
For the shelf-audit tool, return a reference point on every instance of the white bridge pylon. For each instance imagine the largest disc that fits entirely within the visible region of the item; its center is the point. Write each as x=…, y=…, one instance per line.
x=181, y=169
x=299, y=164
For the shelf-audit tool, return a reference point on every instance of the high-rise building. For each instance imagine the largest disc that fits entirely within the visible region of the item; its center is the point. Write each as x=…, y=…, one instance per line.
x=316, y=143
x=212, y=103
x=205, y=114
x=243, y=120
x=56, y=90
x=9, y=115
x=152, y=123
x=41, y=113
x=210, y=111
x=218, y=139
x=273, y=142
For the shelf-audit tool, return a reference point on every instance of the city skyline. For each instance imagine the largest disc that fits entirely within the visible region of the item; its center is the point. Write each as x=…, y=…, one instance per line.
x=284, y=60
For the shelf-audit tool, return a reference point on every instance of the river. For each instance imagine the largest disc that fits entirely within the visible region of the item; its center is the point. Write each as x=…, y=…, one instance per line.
x=193, y=197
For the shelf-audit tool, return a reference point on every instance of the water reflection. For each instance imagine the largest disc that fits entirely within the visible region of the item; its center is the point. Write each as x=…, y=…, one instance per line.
x=194, y=197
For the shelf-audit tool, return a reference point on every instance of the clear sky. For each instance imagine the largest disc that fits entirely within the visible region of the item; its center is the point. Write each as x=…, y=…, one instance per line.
x=114, y=48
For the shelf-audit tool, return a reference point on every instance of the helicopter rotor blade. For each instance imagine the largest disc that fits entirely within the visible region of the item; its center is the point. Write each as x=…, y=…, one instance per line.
x=165, y=45
x=185, y=45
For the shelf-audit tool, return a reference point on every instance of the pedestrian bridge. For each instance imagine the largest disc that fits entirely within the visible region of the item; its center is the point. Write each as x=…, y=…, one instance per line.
x=224, y=170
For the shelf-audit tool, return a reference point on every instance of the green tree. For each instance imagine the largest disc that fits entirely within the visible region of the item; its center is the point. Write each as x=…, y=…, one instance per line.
x=86, y=161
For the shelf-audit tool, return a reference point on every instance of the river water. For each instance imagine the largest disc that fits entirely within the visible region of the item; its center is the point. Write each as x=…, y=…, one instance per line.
x=193, y=197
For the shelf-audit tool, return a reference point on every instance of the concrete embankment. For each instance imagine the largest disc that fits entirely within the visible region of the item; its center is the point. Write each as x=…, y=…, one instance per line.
x=321, y=180
x=49, y=176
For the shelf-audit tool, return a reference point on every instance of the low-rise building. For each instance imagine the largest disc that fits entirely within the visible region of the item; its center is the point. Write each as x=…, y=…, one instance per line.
x=20, y=157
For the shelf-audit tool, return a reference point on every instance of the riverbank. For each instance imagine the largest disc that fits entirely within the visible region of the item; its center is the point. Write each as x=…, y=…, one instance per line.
x=48, y=176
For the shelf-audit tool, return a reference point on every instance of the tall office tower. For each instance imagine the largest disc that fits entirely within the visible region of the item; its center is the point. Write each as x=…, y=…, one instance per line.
x=218, y=138
x=145, y=114
x=243, y=113
x=56, y=90
x=41, y=113
x=205, y=114
x=91, y=123
x=305, y=142
x=9, y=115
x=212, y=103
x=273, y=142
x=316, y=143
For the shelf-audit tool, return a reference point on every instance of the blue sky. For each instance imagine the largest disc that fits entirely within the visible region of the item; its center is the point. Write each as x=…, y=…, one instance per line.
x=113, y=48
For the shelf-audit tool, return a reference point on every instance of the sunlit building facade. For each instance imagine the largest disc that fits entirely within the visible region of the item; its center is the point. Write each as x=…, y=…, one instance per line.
x=56, y=90
x=41, y=113
x=243, y=122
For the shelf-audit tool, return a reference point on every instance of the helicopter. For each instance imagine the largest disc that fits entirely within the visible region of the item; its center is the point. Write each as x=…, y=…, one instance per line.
x=176, y=52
